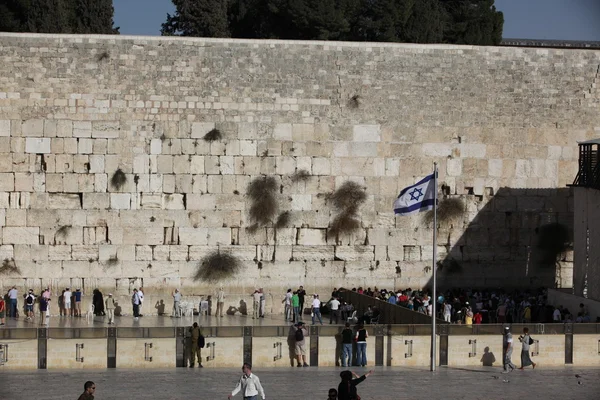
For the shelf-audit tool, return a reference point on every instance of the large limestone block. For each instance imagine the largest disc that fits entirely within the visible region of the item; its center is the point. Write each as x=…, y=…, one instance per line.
x=312, y=237
x=309, y=252
x=120, y=201
x=366, y=133
x=194, y=236
x=134, y=235
x=219, y=236
x=82, y=253
x=7, y=182
x=355, y=253
x=20, y=235
x=99, y=201
x=4, y=128
x=37, y=145
x=62, y=201
x=33, y=127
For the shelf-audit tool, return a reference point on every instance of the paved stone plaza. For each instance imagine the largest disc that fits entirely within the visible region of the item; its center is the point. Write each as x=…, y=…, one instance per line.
x=306, y=383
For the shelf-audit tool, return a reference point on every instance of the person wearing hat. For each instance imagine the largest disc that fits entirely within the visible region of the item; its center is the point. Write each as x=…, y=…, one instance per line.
x=109, y=305
x=300, y=347
x=508, y=349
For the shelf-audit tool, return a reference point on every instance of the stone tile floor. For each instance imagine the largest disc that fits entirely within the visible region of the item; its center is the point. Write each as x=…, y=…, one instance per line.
x=305, y=383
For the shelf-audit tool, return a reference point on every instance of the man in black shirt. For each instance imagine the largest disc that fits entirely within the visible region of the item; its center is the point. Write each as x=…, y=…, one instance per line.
x=301, y=294
x=347, y=346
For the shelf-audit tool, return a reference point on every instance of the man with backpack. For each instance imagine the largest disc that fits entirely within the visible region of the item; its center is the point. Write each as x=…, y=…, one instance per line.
x=197, y=344
x=29, y=302
x=300, y=349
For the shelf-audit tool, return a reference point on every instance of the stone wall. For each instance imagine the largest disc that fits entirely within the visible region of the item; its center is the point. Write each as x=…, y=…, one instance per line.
x=75, y=109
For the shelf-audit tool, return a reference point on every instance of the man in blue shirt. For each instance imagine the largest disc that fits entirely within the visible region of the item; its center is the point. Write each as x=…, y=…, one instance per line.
x=393, y=299
x=78, y=302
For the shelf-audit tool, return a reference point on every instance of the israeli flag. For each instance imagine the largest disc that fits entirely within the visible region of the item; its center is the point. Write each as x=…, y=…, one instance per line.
x=416, y=198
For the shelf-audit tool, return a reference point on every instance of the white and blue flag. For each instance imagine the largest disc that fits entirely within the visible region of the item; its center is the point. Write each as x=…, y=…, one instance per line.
x=416, y=198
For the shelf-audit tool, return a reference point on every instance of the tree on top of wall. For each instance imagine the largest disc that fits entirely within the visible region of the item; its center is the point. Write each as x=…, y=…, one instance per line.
x=57, y=16
x=417, y=21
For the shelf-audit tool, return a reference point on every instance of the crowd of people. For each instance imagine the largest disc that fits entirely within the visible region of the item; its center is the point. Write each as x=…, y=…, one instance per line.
x=467, y=306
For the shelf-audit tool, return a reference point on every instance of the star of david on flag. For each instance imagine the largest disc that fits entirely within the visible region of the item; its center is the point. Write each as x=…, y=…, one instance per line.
x=416, y=198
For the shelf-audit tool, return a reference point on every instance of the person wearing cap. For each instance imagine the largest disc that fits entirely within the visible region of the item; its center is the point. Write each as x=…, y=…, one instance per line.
x=109, y=304
x=67, y=301
x=29, y=302
x=508, y=349
x=77, y=309
x=300, y=335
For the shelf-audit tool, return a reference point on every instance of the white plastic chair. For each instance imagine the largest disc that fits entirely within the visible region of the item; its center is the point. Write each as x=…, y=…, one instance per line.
x=90, y=313
x=204, y=307
x=353, y=319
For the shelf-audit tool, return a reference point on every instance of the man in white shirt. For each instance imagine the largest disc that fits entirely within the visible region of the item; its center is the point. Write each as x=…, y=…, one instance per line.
x=256, y=304
x=556, y=316
x=220, y=302
x=176, y=301
x=316, y=309
x=334, y=308
x=141, y=297
x=249, y=385
x=287, y=300
x=67, y=301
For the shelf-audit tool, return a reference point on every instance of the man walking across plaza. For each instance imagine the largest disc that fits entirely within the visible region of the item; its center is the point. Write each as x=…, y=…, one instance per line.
x=89, y=388
x=12, y=297
x=220, y=302
x=109, y=305
x=135, y=301
x=508, y=349
x=249, y=385
x=195, y=333
x=526, y=341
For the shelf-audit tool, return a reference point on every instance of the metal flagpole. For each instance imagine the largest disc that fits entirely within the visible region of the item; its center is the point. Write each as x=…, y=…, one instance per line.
x=434, y=267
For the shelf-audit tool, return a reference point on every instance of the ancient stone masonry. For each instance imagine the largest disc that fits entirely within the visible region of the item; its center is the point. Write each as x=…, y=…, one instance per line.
x=108, y=178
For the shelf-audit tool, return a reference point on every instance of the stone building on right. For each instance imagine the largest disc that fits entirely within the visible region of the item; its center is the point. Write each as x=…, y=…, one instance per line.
x=586, y=229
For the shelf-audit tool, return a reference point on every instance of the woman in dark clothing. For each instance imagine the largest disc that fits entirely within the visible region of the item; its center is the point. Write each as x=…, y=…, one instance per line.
x=347, y=387
x=98, y=302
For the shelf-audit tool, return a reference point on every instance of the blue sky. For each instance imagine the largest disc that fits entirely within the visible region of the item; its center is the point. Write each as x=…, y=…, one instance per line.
x=523, y=19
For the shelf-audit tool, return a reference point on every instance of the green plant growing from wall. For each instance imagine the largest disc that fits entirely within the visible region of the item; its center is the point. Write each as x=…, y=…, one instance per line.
x=213, y=135
x=262, y=193
x=301, y=175
x=118, y=180
x=9, y=267
x=347, y=199
x=217, y=266
x=449, y=210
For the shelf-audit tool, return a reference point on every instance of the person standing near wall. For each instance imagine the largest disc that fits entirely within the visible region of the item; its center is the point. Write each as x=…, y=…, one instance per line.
x=347, y=346
x=43, y=310
x=263, y=302
x=67, y=302
x=141, y=296
x=110, y=308
x=300, y=348
x=287, y=301
x=2, y=311
x=220, y=302
x=135, y=301
x=13, y=294
x=334, y=310
x=77, y=296
x=301, y=295
x=176, y=301
x=195, y=333
x=316, y=309
x=361, y=345
x=256, y=304
x=508, y=349
x=296, y=307
x=29, y=303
